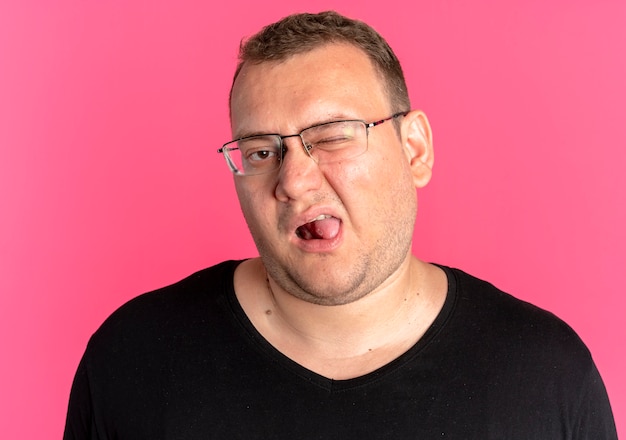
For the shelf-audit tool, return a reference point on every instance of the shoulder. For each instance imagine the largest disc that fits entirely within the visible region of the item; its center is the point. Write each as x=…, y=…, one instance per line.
x=521, y=350
x=201, y=286
x=500, y=319
x=164, y=314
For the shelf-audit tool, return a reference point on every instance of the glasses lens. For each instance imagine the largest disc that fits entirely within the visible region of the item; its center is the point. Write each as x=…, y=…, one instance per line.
x=336, y=141
x=330, y=142
x=253, y=155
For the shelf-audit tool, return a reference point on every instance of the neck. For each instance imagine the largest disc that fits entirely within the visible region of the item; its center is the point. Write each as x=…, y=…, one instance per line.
x=370, y=317
x=350, y=339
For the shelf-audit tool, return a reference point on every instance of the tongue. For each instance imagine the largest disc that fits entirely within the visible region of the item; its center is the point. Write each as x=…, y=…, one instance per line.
x=327, y=228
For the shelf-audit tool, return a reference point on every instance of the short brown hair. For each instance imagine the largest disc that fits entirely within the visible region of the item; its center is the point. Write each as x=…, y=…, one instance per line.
x=300, y=33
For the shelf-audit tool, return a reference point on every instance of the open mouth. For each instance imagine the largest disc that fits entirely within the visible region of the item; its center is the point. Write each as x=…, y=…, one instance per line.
x=322, y=227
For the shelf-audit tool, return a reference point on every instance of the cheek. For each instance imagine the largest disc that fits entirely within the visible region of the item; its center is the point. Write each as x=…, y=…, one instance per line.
x=348, y=181
x=376, y=174
x=373, y=190
x=390, y=185
x=251, y=202
x=242, y=196
x=351, y=173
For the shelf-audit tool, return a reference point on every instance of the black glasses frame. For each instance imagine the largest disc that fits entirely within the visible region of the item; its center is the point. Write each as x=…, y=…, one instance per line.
x=225, y=149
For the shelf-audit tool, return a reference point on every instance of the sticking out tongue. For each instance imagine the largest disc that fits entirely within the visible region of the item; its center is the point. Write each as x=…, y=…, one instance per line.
x=323, y=228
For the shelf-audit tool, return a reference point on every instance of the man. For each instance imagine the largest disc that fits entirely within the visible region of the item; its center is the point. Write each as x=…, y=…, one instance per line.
x=337, y=331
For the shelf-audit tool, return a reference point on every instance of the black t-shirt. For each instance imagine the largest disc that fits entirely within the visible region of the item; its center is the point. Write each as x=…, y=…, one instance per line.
x=184, y=362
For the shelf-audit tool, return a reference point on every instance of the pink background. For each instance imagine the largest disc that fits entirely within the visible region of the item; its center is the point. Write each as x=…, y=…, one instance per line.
x=111, y=112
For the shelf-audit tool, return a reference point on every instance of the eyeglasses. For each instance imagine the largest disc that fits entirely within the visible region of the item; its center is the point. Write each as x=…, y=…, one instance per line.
x=324, y=143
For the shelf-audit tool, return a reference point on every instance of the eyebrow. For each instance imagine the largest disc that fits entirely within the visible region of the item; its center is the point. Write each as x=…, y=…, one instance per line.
x=332, y=118
x=252, y=133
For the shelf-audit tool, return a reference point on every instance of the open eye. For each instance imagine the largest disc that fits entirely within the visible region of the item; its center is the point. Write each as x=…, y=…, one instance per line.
x=259, y=149
x=260, y=155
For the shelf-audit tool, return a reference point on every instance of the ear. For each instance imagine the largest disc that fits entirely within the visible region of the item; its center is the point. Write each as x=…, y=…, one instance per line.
x=417, y=140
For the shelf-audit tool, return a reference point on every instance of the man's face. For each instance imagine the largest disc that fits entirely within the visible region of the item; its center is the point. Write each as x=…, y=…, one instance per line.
x=365, y=207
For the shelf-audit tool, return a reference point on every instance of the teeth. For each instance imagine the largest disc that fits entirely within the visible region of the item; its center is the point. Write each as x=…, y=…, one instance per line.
x=303, y=232
x=321, y=217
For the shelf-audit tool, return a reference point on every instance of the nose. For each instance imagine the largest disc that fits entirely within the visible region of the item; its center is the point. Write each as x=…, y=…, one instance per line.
x=298, y=173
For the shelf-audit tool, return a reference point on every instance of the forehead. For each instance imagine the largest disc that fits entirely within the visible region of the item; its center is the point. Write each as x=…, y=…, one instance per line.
x=334, y=80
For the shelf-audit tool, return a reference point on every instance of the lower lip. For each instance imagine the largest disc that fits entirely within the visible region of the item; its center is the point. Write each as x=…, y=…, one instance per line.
x=317, y=246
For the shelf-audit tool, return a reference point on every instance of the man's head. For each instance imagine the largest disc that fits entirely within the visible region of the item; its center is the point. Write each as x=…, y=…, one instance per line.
x=301, y=33
x=328, y=232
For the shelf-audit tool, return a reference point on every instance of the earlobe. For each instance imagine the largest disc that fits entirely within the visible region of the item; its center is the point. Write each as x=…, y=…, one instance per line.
x=418, y=145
